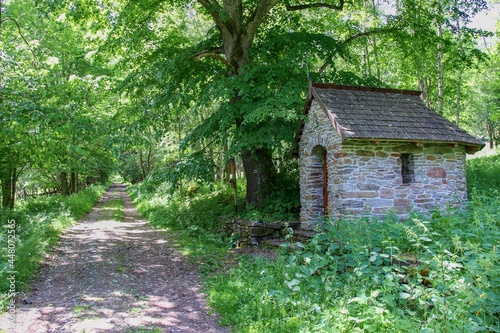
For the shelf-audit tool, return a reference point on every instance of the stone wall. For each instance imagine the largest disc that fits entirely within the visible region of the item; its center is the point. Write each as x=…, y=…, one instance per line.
x=248, y=233
x=371, y=182
x=365, y=178
x=318, y=134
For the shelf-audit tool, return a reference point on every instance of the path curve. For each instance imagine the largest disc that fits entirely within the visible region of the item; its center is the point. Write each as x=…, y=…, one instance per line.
x=109, y=276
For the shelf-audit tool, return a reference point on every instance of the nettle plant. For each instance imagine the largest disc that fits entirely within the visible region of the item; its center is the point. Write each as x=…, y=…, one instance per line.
x=414, y=274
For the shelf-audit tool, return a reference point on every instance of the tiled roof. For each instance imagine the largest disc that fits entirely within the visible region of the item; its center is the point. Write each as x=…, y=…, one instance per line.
x=385, y=114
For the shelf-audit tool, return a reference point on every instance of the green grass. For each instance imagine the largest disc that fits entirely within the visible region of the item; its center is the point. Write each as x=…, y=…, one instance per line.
x=428, y=274
x=38, y=224
x=114, y=209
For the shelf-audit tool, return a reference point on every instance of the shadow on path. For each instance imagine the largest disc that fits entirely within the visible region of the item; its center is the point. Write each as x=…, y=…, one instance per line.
x=115, y=276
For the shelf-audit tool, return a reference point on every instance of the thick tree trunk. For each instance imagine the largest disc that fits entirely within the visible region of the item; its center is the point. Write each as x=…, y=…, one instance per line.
x=73, y=183
x=259, y=171
x=63, y=177
x=238, y=29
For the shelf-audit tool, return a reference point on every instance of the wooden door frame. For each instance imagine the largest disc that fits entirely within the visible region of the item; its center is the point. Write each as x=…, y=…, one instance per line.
x=325, y=184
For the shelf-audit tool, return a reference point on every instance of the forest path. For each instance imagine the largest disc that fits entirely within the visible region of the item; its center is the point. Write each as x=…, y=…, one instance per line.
x=111, y=276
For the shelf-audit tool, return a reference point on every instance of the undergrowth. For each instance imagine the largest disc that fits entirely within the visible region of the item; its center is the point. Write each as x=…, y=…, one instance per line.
x=434, y=273
x=34, y=226
x=195, y=215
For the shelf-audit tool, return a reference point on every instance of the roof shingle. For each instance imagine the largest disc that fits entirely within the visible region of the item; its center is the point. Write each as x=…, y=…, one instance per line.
x=386, y=114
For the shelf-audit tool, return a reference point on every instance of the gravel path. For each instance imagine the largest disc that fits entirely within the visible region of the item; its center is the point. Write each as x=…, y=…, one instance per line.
x=109, y=276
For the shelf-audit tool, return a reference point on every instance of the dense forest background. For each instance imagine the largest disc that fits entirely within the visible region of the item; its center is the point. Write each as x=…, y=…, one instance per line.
x=170, y=91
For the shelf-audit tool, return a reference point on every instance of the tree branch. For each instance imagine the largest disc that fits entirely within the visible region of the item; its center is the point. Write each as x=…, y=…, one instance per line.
x=256, y=19
x=214, y=9
x=338, y=7
x=377, y=31
x=213, y=53
x=22, y=36
x=361, y=35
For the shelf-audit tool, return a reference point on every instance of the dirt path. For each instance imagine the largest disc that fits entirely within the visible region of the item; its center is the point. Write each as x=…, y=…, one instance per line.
x=108, y=276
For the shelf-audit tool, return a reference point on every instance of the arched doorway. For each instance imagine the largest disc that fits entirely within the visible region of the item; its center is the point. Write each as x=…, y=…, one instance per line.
x=319, y=181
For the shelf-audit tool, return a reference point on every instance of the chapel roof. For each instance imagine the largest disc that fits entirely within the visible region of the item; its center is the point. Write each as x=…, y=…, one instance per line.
x=384, y=114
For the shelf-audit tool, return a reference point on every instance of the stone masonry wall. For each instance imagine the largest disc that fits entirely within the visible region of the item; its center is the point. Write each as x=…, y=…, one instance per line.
x=318, y=132
x=371, y=178
x=365, y=178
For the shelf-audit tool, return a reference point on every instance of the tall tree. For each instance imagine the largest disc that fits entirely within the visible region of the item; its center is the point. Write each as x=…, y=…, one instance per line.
x=245, y=74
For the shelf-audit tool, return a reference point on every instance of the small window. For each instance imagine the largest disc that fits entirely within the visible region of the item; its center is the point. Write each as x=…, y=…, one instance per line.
x=407, y=168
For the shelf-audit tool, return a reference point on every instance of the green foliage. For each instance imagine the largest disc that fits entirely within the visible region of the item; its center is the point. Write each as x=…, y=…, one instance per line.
x=482, y=174
x=38, y=224
x=54, y=97
x=196, y=168
x=199, y=207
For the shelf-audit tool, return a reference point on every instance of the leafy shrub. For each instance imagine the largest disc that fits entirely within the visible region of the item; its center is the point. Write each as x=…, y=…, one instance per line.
x=482, y=174
x=178, y=212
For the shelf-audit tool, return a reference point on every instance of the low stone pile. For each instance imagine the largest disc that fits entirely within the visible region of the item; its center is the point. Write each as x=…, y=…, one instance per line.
x=255, y=232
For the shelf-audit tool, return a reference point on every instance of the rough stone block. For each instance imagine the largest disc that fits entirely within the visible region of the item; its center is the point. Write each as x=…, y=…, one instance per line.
x=368, y=187
x=353, y=204
x=360, y=194
x=435, y=172
x=377, y=202
x=387, y=193
x=365, y=153
x=402, y=202
x=381, y=154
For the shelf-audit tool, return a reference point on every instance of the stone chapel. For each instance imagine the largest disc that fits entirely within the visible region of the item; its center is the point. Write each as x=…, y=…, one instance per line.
x=366, y=151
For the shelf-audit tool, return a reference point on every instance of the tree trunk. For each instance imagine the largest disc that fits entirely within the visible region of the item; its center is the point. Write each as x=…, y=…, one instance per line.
x=64, y=183
x=13, y=187
x=9, y=188
x=457, y=110
x=459, y=79
x=238, y=29
x=440, y=65
x=141, y=162
x=259, y=171
x=491, y=135
x=73, y=183
x=375, y=50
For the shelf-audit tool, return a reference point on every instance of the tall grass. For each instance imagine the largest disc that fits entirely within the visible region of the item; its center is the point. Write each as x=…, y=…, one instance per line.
x=38, y=224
